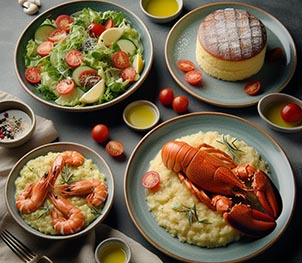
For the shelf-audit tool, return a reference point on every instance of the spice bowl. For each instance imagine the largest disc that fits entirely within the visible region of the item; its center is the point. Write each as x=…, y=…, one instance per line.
x=269, y=109
x=141, y=115
x=161, y=11
x=112, y=250
x=17, y=123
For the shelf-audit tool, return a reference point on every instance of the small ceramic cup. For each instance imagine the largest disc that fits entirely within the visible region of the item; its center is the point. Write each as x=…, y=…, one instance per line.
x=112, y=250
x=141, y=115
x=161, y=19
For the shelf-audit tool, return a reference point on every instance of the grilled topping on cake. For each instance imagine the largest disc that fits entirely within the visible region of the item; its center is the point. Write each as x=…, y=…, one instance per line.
x=232, y=34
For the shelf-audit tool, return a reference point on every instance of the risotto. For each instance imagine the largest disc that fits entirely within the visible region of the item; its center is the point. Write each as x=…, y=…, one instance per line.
x=34, y=169
x=180, y=213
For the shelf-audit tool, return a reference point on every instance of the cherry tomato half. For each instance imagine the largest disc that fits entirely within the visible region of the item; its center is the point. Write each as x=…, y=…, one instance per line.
x=109, y=23
x=64, y=22
x=275, y=54
x=120, y=60
x=45, y=48
x=89, y=78
x=57, y=35
x=291, y=113
x=65, y=86
x=185, y=65
x=129, y=74
x=193, y=77
x=180, y=104
x=151, y=180
x=74, y=58
x=33, y=75
x=166, y=96
x=114, y=148
x=252, y=88
x=96, y=29
x=100, y=133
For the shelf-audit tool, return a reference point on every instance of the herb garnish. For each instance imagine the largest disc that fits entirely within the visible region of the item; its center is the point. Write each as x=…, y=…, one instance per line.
x=191, y=213
x=66, y=174
x=232, y=148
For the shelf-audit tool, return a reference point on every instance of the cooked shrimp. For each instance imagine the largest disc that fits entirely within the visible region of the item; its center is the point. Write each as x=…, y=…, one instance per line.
x=72, y=219
x=35, y=194
x=73, y=158
x=95, y=190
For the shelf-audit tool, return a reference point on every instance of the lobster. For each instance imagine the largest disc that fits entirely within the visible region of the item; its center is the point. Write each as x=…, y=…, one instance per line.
x=245, y=196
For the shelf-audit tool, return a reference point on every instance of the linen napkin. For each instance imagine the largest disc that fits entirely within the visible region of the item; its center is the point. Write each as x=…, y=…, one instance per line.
x=45, y=132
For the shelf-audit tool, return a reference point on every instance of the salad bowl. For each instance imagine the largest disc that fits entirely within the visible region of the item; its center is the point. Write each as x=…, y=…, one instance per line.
x=128, y=34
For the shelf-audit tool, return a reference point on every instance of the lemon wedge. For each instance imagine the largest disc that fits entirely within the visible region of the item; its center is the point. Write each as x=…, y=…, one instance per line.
x=94, y=93
x=110, y=35
x=138, y=63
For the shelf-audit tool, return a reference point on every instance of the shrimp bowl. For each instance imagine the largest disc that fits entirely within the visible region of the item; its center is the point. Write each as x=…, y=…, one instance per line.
x=59, y=190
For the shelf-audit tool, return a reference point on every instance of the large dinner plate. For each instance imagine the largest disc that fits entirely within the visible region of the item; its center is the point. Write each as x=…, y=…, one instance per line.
x=70, y=8
x=150, y=145
x=181, y=43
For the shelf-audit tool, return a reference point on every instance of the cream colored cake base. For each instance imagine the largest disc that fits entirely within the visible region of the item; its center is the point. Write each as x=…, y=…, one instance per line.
x=228, y=70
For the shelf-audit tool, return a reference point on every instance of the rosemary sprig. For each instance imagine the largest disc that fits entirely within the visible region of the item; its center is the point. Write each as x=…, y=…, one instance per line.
x=44, y=211
x=66, y=174
x=233, y=150
x=191, y=213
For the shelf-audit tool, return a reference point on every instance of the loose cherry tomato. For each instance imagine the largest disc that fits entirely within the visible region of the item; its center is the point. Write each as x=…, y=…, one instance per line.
x=193, y=77
x=57, y=35
x=109, y=24
x=96, y=29
x=64, y=22
x=45, y=48
x=275, y=54
x=100, y=133
x=252, y=88
x=185, y=65
x=151, y=180
x=89, y=78
x=33, y=75
x=180, y=104
x=166, y=96
x=291, y=113
x=120, y=60
x=74, y=58
x=114, y=148
x=65, y=86
x=129, y=74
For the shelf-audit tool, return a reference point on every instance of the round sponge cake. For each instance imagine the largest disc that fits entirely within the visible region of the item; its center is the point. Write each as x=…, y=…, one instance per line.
x=231, y=44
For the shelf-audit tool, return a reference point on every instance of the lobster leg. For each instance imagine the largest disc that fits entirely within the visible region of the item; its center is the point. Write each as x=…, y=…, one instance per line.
x=250, y=222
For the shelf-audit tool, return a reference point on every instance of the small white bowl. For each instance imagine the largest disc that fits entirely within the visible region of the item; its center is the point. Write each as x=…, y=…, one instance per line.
x=161, y=19
x=141, y=115
x=20, y=118
x=276, y=98
x=110, y=245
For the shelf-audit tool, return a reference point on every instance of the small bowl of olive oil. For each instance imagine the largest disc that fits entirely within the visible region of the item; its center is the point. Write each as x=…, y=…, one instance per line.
x=112, y=250
x=271, y=110
x=141, y=115
x=161, y=11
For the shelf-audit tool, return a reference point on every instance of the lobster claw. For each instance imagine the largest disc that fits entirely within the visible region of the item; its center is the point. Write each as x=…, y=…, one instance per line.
x=250, y=222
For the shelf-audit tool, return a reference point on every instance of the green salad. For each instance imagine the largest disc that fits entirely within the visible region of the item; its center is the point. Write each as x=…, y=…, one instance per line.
x=86, y=58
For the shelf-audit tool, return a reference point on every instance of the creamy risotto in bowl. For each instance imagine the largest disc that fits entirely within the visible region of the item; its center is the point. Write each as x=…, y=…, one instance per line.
x=180, y=213
x=84, y=183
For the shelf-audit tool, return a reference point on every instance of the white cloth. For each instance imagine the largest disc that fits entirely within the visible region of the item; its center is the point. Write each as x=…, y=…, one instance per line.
x=77, y=250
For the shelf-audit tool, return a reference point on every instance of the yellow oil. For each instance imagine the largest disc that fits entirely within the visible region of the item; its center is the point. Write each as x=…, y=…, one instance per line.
x=113, y=254
x=141, y=116
x=162, y=7
x=273, y=113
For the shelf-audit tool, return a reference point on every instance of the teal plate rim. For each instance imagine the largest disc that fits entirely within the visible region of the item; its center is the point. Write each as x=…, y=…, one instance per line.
x=150, y=145
x=274, y=77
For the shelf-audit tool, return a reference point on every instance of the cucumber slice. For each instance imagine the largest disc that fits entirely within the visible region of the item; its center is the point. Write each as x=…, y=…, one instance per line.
x=76, y=73
x=43, y=32
x=126, y=45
